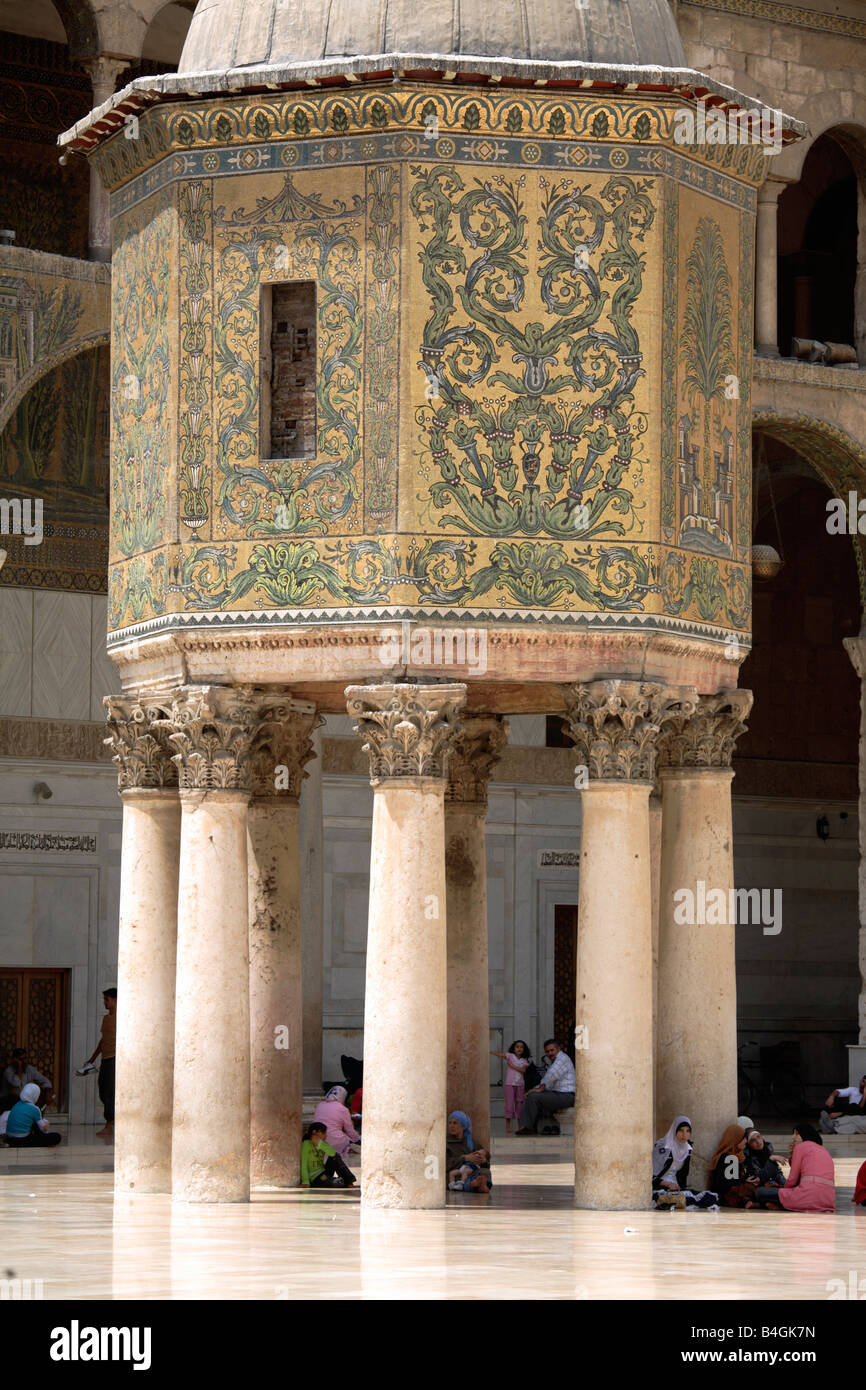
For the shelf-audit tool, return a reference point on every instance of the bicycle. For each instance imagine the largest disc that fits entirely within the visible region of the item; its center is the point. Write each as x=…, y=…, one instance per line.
x=777, y=1088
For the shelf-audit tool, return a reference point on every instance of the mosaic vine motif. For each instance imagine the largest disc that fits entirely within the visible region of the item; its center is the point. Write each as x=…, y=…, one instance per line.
x=526, y=293
x=571, y=411
x=714, y=593
x=744, y=417
x=140, y=379
x=259, y=496
x=669, y=362
x=196, y=333
x=383, y=339
x=707, y=358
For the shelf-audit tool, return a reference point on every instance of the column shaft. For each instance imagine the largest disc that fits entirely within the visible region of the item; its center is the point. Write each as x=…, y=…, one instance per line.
x=766, y=270
x=145, y=983
x=410, y=732
x=468, y=1064
x=211, y=1148
x=312, y=922
x=655, y=821
x=613, y=1073
x=275, y=992
x=103, y=76
x=697, y=1001
x=405, y=1015
x=856, y=649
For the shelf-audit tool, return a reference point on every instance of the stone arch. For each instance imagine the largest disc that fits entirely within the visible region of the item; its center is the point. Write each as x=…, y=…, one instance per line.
x=165, y=35
x=833, y=455
x=47, y=364
x=81, y=25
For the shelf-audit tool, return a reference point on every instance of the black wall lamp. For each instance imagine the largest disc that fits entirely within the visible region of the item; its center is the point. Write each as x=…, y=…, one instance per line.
x=822, y=828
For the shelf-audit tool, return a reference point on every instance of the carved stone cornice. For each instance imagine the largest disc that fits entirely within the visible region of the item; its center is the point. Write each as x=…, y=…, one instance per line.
x=139, y=742
x=213, y=727
x=475, y=752
x=707, y=738
x=58, y=740
x=282, y=744
x=615, y=725
x=409, y=730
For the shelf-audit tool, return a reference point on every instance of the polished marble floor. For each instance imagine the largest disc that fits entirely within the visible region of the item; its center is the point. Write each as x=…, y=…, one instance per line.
x=525, y=1241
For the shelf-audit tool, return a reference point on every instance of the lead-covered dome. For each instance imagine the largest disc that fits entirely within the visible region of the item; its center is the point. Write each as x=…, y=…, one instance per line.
x=228, y=34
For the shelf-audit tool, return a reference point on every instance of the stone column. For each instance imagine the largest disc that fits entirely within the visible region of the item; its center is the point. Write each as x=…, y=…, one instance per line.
x=655, y=822
x=766, y=269
x=615, y=724
x=312, y=916
x=476, y=751
x=213, y=728
x=147, y=945
x=697, y=991
x=856, y=649
x=103, y=73
x=280, y=748
x=409, y=732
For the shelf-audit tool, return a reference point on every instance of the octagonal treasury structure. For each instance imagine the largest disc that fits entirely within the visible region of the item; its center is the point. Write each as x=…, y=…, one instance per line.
x=430, y=368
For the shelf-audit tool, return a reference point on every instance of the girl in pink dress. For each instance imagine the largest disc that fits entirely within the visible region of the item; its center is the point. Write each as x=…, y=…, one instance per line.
x=811, y=1184
x=517, y=1059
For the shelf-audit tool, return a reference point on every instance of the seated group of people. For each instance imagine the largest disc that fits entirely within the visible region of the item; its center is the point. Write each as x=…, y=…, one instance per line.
x=328, y=1138
x=744, y=1171
x=23, y=1093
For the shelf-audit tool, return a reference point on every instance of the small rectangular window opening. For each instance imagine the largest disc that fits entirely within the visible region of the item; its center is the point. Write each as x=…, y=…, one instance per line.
x=288, y=386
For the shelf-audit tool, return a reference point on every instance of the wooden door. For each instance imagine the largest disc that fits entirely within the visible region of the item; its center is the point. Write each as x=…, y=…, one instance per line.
x=565, y=974
x=34, y=1014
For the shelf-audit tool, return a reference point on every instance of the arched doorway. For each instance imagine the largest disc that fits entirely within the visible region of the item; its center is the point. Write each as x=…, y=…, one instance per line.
x=796, y=785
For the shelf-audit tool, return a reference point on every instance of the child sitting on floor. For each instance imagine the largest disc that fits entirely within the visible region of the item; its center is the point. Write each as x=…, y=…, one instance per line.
x=469, y=1177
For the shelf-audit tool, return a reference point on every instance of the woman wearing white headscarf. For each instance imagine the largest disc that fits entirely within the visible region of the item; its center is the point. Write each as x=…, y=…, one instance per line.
x=25, y=1127
x=671, y=1156
x=332, y=1113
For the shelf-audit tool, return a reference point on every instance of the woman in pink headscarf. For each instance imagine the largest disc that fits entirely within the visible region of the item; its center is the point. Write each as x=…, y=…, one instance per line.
x=335, y=1117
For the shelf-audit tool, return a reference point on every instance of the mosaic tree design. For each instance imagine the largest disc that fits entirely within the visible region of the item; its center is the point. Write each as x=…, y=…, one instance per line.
x=570, y=408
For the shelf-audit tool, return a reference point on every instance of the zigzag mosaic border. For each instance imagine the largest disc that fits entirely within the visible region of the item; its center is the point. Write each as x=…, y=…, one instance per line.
x=785, y=14
x=239, y=620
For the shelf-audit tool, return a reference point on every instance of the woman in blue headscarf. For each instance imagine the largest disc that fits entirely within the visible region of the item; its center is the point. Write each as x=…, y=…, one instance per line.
x=460, y=1149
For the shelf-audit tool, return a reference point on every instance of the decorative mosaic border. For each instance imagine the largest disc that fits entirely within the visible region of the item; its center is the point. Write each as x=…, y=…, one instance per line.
x=238, y=621
x=785, y=14
x=279, y=156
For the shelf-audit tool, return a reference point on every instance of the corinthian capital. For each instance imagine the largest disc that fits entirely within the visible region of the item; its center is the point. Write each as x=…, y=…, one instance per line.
x=615, y=725
x=139, y=743
x=212, y=728
x=282, y=744
x=409, y=730
x=475, y=752
x=706, y=738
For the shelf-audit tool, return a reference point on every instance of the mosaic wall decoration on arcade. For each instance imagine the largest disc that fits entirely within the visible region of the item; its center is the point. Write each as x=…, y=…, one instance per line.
x=54, y=426
x=541, y=312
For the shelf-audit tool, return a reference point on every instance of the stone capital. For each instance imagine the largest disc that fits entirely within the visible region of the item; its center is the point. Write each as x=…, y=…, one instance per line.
x=409, y=730
x=212, y=728
x=615, y=725
x=103, y=73
x=705, y=739
x=139, y=742
x=475, y=752
x=282, y=744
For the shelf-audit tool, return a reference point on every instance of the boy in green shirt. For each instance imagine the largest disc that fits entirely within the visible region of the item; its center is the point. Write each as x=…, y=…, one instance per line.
x=320, y=1165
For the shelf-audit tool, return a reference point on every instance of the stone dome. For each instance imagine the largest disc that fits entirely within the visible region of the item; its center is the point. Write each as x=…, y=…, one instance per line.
x=228, y=34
